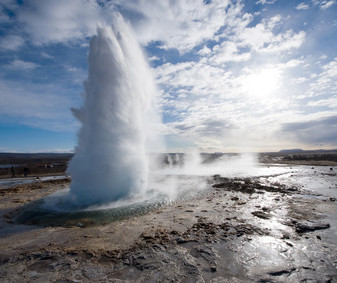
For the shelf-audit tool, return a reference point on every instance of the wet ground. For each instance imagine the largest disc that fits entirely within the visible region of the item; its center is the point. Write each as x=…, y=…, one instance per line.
x=12, y=182
x=278, y=225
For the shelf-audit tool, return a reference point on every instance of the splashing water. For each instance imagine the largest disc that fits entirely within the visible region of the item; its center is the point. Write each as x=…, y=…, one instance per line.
x=110, y=160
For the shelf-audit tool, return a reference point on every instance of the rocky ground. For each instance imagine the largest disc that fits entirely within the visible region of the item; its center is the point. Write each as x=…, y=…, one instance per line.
x=238, y=230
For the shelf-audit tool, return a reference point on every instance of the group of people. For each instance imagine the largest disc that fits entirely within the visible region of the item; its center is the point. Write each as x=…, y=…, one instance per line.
x=25, y=172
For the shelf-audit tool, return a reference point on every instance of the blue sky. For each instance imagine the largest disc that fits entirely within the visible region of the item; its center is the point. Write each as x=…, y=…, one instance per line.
x=231, y=75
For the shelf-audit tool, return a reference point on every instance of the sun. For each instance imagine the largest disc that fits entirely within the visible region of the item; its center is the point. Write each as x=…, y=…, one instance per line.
x=262, y=83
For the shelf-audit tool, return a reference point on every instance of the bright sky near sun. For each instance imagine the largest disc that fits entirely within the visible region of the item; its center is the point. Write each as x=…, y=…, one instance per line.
x=232, y=75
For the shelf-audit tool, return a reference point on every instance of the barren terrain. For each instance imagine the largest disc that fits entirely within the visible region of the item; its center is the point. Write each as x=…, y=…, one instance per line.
x=263, y=229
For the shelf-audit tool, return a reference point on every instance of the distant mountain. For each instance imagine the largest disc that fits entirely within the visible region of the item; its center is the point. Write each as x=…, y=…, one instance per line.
x=291, y=150
x=310, y=151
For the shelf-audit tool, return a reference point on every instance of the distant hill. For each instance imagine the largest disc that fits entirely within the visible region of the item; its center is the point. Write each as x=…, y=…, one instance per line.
x=291, y=150
x=9, y=155
x=301, y=151
x=38, y=164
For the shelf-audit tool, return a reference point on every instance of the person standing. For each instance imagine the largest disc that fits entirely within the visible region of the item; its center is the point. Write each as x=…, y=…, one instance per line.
x=25, y=171
x=13, y=173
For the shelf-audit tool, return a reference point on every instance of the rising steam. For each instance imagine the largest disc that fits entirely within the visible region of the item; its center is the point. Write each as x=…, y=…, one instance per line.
x=117, y=117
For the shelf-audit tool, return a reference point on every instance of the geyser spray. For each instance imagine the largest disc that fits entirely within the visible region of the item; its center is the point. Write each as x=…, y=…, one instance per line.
x=117, y=117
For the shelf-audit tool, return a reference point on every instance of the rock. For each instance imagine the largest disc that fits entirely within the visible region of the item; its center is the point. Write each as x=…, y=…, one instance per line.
x=181, y=240
x=213, y=268
x=147, y=236
x=261, y=214
x=304, y=227
x=282, y=272
x=2, y=273
x=32, y=274
x=285, y=236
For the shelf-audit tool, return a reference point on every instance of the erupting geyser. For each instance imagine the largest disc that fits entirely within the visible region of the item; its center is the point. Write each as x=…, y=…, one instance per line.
x=110, y=160
x=119, y=121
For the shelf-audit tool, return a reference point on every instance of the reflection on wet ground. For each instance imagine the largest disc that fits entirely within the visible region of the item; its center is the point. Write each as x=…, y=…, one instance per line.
x=270, y=227
x=8, y=183
x=313, y=179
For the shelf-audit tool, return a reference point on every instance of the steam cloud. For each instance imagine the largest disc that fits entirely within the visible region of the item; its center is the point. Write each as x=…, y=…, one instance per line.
x=111, y=161
x=117, y=117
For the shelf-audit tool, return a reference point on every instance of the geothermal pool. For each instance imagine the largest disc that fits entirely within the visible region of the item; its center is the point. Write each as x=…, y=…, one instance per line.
x=56, y=210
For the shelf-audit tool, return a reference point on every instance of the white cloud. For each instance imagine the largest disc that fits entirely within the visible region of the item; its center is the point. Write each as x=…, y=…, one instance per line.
x=186, y=23
x=244, y=41
x=179, y=24
x=242, y=83
x=314, y=132
x=11, y=42
x=220, y=106
x=261, y=37
x=76, y=75
x=71, y=68
x=59, y=21
x=326, y=81
x=153, y=58
x=323, y=57
x=35, y=105
x=195, y=78
x=292, y=63
x=299, y=80
x=326, y=4
x=22, y=65
x=263, y=2
x=204, y=51
x=302, y=6
x=46, y=55
x=222, y=126
x=330, y=102
x=229, y=52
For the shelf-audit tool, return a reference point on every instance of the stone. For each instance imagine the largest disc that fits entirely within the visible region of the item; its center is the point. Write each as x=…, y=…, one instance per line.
x=304, y=227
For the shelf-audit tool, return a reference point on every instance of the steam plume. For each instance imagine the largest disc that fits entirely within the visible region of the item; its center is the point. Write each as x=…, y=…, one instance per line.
x=110, y=160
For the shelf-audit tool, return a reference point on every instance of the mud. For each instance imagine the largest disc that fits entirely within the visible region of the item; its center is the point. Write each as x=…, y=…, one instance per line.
x=263, y=229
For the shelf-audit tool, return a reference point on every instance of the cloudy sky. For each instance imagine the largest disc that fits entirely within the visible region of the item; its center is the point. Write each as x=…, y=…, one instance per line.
x=232, y=75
